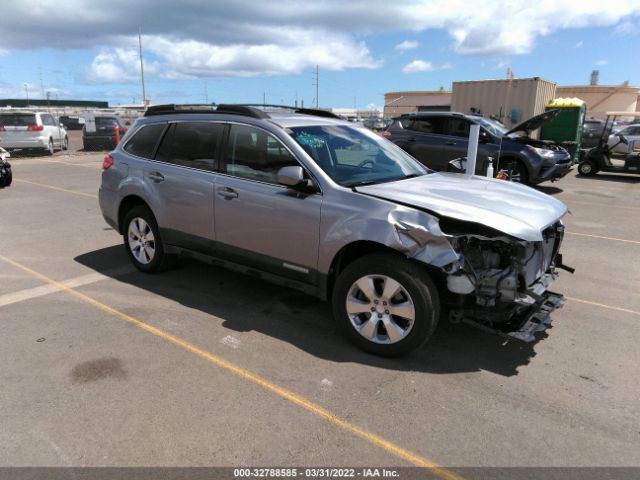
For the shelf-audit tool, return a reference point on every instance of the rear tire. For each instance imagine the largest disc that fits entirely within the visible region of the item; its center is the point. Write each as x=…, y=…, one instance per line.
x=392, y=284
x=65, y=143
x=49, y=150
x=143, y=242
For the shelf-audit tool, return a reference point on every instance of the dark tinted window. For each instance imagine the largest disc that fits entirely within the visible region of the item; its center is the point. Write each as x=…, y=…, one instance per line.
x=17, y=119
x=255, y=154
x=144, y=141
x=191, y=144
x=107, y=122
x=428, y=124
x=458, y=127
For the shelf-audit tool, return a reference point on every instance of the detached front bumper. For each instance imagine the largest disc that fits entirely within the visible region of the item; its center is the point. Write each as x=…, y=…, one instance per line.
x=538, y=318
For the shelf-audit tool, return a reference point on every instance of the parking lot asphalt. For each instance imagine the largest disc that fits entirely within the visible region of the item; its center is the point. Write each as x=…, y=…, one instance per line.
x=199, y=366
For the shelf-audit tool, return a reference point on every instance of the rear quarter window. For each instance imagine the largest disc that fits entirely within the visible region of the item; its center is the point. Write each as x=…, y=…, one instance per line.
x=144, y=141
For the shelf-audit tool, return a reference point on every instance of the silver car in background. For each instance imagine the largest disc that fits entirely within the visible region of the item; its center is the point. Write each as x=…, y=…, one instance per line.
x=27, y=130
x=304, y=199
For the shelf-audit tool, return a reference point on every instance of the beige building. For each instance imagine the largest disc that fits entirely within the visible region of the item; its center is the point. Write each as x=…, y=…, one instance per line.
x=603, y=98
x=397, y=103
x=509, y=101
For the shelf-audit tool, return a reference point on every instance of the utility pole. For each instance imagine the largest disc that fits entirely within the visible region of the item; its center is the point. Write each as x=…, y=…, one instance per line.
x=206, y=93
x=317, y=84
x=26, y=89
x=264, y=98
x=144, y=93
x=41, y=82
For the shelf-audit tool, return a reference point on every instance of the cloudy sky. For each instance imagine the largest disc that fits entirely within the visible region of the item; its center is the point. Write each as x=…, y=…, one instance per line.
x=220, y=51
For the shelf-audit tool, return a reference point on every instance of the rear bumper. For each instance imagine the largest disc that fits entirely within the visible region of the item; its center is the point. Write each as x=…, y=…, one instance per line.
x=108, y=201
x=99, y=141
x=34, y=142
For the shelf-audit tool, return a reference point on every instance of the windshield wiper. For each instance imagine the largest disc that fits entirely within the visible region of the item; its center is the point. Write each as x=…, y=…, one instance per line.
x=363, y=183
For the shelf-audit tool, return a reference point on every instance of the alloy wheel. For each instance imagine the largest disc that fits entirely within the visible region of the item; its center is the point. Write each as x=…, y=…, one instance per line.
x=141, y=240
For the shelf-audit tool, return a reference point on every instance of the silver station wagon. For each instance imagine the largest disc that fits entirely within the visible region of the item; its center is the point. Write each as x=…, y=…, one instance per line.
x=305, y=199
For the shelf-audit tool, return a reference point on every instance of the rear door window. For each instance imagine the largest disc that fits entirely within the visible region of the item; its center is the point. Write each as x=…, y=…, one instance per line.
x=191, y=144
x=144, y=141
x=106, y=123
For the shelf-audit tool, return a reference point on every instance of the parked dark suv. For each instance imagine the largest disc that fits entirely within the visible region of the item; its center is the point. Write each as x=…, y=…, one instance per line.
x=436, y=138
x=104, y=136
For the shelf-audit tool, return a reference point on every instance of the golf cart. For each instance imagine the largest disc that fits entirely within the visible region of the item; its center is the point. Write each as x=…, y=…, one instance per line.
x=598, y=159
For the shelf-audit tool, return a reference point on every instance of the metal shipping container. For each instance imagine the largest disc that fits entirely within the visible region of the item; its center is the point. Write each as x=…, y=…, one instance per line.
x=509, y=101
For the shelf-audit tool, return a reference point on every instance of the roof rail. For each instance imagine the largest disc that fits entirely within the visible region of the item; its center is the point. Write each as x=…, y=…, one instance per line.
x=195, y=108
x=247, y=109
x=305, y=111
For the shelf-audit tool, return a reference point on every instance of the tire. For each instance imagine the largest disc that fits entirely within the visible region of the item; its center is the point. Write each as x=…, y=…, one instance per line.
x=518, y=171
x=365, y=321
x=7, y=178
x=587, y=168
x=151, y=257
x=65, y=143
x=49, y=150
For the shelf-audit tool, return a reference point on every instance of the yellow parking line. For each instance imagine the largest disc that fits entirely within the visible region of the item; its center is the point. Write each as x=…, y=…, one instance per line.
x=299, y=400
x=602, y=305
x=604, y=238
x=55, y=188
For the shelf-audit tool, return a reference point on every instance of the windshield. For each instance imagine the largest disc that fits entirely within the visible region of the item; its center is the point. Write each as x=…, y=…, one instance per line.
x=495, y=128
x=354, y=156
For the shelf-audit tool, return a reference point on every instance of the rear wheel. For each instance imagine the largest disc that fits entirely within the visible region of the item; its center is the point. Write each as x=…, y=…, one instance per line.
x=143, y=242
x=386, y=304
x=587, y=168
x=49, y=150
x=65, y=143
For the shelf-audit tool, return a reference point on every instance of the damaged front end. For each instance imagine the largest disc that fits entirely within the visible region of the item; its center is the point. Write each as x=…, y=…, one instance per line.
x=495, y=282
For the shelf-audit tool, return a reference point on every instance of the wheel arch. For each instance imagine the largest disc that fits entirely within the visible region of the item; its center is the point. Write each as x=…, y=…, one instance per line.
x=127, y=203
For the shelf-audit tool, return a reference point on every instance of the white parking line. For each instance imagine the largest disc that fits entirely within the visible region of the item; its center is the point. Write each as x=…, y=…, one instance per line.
x=29, y=293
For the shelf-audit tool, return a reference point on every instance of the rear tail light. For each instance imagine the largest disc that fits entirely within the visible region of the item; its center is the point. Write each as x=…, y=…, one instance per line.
x=386, y=133
x=107, y=162
x=35, y=128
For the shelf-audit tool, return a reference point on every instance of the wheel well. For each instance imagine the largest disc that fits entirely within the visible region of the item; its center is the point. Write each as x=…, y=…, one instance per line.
x=348, y=254
x=127, y=204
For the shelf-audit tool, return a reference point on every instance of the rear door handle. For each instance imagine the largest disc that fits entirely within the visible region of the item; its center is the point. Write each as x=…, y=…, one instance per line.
x=156, y=176
x=228, y=193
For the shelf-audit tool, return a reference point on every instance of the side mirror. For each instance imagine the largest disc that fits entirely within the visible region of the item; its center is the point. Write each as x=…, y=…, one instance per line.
x=457, y=165
x=623, y=139
x=291, y=176
x=61, y=125
x=484, y=137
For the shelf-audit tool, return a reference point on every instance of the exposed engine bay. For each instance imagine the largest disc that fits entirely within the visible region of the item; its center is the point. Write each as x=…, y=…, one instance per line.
x=501, y=283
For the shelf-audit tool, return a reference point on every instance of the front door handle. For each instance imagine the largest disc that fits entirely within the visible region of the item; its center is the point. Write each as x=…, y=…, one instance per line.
x=411, y=139
x=451, y=142
x=156, y=176
x=228, y=193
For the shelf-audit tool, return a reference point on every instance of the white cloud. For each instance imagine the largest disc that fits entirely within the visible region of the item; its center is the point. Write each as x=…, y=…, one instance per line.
x=118, y=65
x=627, y=28
x=406, y=45
x=424, y=66
x=602, y=62
x=417, y=66
x=4, y=52
x=254, y=37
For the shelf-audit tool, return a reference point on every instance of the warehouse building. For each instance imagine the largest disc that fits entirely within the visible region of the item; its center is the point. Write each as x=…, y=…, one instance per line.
x=601, y=99
x=397, y=103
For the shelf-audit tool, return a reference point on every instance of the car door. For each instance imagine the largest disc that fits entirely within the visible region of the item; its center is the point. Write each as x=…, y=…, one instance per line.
x=425, y=140
x=50, y=128
x=260, y=223
x=180, y=179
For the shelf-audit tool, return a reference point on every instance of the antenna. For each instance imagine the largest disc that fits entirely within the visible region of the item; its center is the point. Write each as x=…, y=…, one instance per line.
x=144, y=93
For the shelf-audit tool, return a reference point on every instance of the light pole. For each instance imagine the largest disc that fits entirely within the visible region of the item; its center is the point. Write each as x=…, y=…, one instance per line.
x=26, y=89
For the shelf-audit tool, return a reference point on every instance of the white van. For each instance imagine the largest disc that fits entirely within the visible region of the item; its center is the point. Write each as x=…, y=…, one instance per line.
x=32, y=130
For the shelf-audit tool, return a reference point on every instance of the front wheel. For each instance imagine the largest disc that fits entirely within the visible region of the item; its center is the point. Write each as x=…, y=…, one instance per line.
x=142, y=241
x=386, y=304
x=49, y=150
x=65, y=143
x=517, y=171
x=587, y=168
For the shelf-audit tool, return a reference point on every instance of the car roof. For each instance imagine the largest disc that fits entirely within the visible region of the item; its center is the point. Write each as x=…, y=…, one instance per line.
x=436, y=114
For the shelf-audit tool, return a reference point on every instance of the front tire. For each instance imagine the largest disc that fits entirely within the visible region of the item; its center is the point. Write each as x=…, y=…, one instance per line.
x=386, y=304
x=587, y=168
x=517, y=171
x=65, y=143
x=143, y=242
x=49, y=150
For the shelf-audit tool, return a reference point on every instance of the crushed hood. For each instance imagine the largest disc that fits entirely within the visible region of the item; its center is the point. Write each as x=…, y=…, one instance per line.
x=514, y=209
x=535, y=123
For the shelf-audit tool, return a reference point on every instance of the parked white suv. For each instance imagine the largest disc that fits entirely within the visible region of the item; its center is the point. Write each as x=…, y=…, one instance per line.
x=32, y=130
